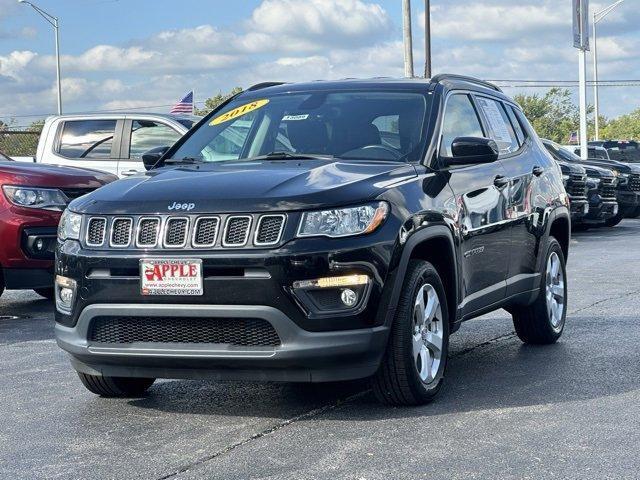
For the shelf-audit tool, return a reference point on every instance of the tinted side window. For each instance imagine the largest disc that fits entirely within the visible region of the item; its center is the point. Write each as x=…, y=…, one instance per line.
x=516, y=124
x=499, y=125
x=87, y=138
x=460, y=120
x=146, y=135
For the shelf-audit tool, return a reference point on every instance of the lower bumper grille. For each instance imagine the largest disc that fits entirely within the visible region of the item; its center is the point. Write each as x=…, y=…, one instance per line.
x=244, y=332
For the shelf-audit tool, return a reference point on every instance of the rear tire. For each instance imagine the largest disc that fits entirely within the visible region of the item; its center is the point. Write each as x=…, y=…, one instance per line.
x=613, y=221
x=47, y=293
x=115, y=387
x=543, y=321
x=413, y=366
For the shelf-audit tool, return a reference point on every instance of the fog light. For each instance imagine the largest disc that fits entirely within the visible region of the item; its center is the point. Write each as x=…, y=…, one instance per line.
x=333, y=282
x=349, y=297
x=65, y=294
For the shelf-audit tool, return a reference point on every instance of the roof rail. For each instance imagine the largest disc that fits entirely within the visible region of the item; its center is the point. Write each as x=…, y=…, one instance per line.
x=450, y=76
x=259, y=86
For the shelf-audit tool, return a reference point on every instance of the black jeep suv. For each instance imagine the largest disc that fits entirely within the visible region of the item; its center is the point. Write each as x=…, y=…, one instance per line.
x=318, y=232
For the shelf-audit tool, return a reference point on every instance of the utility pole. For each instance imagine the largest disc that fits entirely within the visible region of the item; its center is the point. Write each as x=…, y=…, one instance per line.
x=53, y=21
x=408, y=41
x=580, y=14
x=597, y=16
x=427, y=39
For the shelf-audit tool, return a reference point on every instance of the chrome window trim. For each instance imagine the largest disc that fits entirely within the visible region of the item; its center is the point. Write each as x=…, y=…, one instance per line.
x=269, y=215
x=104, y=235
x=166, y=222
x=195, y=244
x=226, y=226
x=112, y=223
x=140, y=220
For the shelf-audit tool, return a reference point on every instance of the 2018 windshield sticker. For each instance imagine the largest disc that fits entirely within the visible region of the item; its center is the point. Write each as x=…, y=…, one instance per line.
x=239, y=111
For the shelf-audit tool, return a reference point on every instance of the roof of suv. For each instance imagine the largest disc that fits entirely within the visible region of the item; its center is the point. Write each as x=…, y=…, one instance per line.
x=448, y=81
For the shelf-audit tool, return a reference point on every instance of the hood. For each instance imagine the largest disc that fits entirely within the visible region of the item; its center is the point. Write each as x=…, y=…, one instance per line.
x=246, y=187
x=53, y=176
x=568, y=168
x=613, y=164
x=598, y=172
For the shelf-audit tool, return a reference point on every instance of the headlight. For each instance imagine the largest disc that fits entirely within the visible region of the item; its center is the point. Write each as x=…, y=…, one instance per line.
x=565, y=179
x=69, y=226
x=623, y=179
x=343, y=222
x=44, y=198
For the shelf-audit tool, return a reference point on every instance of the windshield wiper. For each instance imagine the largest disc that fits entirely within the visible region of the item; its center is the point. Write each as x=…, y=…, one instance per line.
x=289, y=156
x=187, y=160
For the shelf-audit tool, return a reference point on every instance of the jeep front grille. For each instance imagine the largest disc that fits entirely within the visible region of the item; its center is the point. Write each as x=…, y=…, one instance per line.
x=121, y=232
x=206, y=231
x=269, y=229
x=236, y=231
x=175, y=234
x=148, y=229
x=95, y=231
x=188, y=231
x=241, y=332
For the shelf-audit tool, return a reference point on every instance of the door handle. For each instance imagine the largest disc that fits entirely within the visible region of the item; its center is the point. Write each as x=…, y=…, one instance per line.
x=500, y=181
x=128, y=173
x=537, y=171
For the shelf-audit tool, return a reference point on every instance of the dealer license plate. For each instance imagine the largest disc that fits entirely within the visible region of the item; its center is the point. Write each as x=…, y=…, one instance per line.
x=171, y=277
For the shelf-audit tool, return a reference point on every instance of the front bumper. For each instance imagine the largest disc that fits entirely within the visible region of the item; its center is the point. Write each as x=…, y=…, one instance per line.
x=302, y=356
x=628, y=200
x=600, y=211
x=579, y=208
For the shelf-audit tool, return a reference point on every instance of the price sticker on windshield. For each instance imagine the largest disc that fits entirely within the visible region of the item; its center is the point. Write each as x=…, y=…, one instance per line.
x=239, y=111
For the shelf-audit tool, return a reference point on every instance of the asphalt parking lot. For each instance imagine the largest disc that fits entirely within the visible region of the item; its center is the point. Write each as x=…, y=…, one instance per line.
x=571, y=410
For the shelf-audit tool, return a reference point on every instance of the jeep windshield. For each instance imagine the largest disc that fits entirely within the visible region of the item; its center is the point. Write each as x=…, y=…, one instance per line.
x=363, y=124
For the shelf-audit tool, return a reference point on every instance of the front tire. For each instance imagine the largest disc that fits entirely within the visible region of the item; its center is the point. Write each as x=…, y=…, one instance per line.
x=413, y=366
x=115, y=387
x=543, y=321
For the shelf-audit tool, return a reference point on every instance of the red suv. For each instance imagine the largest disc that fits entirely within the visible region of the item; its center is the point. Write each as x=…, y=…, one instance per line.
x=32, y=198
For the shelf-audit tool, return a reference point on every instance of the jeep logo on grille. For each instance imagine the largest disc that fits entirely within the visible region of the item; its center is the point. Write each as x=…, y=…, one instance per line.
x=182, y=206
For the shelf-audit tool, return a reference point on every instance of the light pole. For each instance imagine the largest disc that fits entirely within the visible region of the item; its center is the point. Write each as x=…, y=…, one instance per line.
x=408, y=41
x=597, y=16
x=54, y=23
x=427, y=38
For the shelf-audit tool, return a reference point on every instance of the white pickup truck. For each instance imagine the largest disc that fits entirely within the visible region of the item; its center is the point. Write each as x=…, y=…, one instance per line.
x=112, y=143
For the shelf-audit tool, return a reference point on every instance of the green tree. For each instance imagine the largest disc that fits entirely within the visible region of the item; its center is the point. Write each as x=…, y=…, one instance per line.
x=212, y=102
x=625, y=127
x=553, y=115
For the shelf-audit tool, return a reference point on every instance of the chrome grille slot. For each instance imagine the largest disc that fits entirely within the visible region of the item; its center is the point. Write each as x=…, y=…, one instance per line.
x=236, y=231
x=205, y=232
x=269, y=230
x=148, y=229
x=175, y=232
x=608, y=188
x=121, y=232
x=96, y=231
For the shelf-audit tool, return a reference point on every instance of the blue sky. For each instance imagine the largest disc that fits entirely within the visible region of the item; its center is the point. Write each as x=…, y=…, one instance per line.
x=146, y=53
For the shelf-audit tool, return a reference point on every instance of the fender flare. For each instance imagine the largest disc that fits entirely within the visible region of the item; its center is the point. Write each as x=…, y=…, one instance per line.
x=417, y=238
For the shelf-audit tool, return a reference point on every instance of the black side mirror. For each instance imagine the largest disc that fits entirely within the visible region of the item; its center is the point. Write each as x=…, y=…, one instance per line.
x=151, y=157
x=473, y=150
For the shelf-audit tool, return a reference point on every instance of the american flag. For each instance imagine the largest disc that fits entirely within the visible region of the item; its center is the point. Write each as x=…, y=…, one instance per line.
x=573, y=137
x=185, y=105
